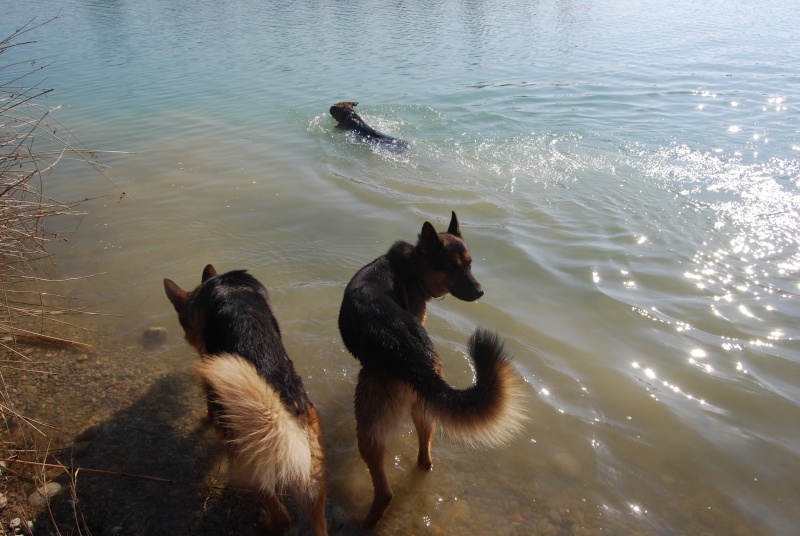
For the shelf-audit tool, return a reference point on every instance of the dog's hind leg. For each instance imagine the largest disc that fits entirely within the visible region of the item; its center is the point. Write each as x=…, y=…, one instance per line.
x=373, y=454
x=380, y=406
x=314, y=508
x=425, y=426
x=312, y=500
x=279, y=519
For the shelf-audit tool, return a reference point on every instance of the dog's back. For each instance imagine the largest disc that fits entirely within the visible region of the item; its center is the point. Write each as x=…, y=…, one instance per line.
x=238, y=320
x=379, y=317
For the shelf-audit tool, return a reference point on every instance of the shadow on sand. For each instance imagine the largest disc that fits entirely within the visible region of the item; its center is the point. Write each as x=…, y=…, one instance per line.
x=175, y=483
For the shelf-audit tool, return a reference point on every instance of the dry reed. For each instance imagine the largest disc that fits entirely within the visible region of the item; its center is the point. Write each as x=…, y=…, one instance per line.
x=32, y=143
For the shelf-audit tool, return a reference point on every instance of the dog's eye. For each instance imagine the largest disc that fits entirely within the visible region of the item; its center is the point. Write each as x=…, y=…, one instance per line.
x=443, y=264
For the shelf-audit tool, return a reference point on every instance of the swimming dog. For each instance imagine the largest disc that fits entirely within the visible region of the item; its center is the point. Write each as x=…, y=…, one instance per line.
x=348, y=119
x=255, y=397
x=381, y=321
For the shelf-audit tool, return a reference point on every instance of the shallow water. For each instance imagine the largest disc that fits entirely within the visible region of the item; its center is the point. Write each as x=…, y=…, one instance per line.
x=626, y=175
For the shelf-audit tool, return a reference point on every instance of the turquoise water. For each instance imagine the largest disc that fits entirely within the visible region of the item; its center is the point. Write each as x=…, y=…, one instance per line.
x=626, y=175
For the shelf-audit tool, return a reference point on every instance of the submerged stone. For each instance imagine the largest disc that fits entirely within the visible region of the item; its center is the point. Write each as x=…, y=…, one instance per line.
x=153, y=337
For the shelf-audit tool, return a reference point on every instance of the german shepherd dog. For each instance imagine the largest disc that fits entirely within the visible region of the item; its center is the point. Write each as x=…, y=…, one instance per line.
x=255, y=398
x=381, y=322
x=348, y=119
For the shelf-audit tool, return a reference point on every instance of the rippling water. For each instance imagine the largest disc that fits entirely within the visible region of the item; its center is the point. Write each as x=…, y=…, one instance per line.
x=626, y=175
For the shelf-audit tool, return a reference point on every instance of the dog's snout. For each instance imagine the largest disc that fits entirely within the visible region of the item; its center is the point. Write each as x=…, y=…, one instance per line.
x=467, y=289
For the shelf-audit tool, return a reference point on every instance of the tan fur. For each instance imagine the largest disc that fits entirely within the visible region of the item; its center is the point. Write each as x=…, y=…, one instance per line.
x=269, y=450
x=496, y=425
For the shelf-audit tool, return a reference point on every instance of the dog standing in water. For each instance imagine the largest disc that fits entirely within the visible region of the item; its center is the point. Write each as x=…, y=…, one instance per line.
x=348, y=119
x=381, y=321
x=255, y=397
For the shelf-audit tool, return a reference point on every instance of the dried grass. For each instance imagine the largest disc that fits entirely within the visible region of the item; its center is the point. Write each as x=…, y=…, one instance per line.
x=32, y=143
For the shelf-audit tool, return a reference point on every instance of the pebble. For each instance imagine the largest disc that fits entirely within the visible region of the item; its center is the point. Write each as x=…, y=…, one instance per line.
x=40, y=496
x=87, y=434
x=544, y=528
x=153, y=337
x=554, y=516
x=29, y=391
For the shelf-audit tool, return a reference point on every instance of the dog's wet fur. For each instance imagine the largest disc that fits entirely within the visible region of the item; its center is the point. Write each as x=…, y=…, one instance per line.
x=381, y=321
x=255, y=397
x=348, y=119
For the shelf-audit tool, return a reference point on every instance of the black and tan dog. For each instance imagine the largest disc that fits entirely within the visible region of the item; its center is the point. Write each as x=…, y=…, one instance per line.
x=381, y=322
x=348, y=119
x=255, y=398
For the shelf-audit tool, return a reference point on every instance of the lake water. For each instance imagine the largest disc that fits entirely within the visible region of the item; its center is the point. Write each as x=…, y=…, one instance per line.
x=627, y=176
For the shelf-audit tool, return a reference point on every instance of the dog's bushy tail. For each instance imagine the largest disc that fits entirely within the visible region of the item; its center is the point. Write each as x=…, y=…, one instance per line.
x=269, y=451
x=492, y=410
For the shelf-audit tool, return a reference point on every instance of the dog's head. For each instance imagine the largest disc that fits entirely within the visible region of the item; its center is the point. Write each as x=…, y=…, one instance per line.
x=447, y=263
x=342, y=110
x=191, y=321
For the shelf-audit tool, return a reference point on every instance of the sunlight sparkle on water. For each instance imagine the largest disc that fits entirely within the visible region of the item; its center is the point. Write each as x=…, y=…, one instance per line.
x=650, y=373
x=746, y=312
x=777, y=102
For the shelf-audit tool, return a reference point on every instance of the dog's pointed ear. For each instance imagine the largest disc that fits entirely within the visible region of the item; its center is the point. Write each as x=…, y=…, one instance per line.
x=208, y=272
x=176, y=295
x=429, y=238
x=454, y=228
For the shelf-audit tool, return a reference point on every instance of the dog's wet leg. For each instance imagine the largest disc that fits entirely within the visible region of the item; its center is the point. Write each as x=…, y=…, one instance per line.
x=279, y=519
x=373, y=454
x=314, y=508
x=379, y=407
x=425, y=429
x=425, y=426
